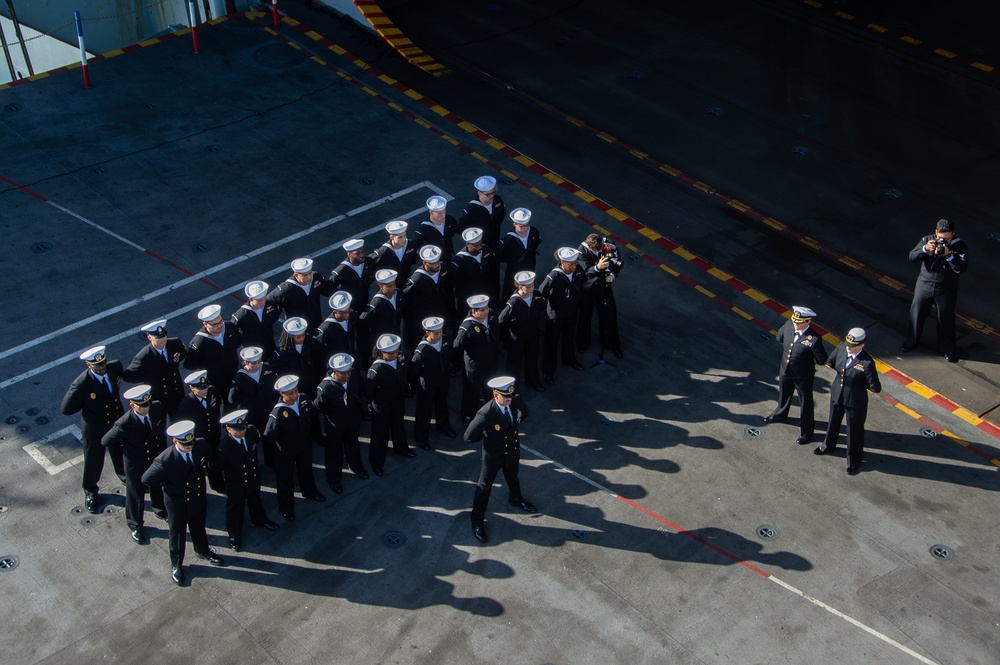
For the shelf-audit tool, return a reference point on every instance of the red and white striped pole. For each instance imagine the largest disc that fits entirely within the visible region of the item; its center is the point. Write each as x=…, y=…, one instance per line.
x=274, y=12
x=83, y=51
x=193, y=13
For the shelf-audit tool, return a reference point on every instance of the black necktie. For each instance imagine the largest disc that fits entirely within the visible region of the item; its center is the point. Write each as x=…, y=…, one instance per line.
x=243, y=442
x=188, y=459
x=145, y=426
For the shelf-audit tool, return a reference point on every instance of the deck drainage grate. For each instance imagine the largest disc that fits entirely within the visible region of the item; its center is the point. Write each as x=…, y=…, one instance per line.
x=393, y=539
x=767, y=532
x=941, y=552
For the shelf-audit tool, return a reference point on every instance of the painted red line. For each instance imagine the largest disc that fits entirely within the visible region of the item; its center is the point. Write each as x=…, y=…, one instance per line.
x=899, y=377
x=943, y=402
x=682, y=532
x=203, y=280
x=22, y=187
x=990, y=428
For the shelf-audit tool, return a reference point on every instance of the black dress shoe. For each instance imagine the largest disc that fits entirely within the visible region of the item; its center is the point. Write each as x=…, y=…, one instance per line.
x=317, y=497
x=377, y=472
x=138, y=536
x=578, y=367
x=448, y=432
x=177, y=575
x=92, y=503
x=407, y=453
x=822, y=450
x=234, y=544
x=162, y=514
x=211, y=557
x=523, y=505
x=269, y=525
x=549, y=379
x=362, y=474
x=950, y=358
x=539, y=387
x=479, y=533
x=853, y=470
x=337, y=488
x=289, y=517
x=802, y=440
x=424, y=445
x=907, y=346
x=773, y=419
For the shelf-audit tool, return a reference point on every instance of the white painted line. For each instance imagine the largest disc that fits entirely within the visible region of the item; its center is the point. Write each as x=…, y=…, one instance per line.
x=37, y=455
x=222, y=266
x=197, y=305
x=562, y=467
x=96, y=225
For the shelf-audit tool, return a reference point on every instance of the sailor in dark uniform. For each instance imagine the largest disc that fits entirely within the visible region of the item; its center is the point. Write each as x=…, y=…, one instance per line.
x=856, y=375
x=252, y=389
x=158, y=365
x=474, y=270
x=385, y=389
x=302, y=293
x=141, y=435
x=497, y=424
x=255, y=319
x=438, y=229
x=296, y=355
x=429, y=378
x=398, y=253
x=180, y=472
x=601, y=265
x=215, y=348
x=236, y=458
x=427, y=293
x=203, y=406
x=95, y=396
x=382, y=316
x=354, y=274
x=561, y=290
x=518, y=249
x=338, y=332
x=520, y=323
x=478, y=340
x=340, y=408
x=290, y=427
x=487, y=211
x=802, y=349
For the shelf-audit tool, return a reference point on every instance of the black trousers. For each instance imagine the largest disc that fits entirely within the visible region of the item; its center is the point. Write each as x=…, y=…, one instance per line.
x=474, y=391
x=556, y=333
x=287, y=466
x=603, y=300
x=386, y=423
x=492, y=464
x=855, y=431
x=343, y=442
x=135, y=497
x=93, y=461
x=787, y=386
x=944, y=297
x=522, y=361
x=189, y=516
x=237, y=504
x=430, y=402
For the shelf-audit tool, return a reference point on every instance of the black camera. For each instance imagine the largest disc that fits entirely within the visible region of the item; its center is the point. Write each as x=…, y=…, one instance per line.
x=610, y=250
x=939, y=246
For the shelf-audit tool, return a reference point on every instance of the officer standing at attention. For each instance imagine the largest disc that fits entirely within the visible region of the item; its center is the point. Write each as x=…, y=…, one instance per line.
x=427, y=293
x=94, y=395
x=561, y=290
x=802, y=350
x=478, y=341
x=354, y=274
x=290, y=427
x=340, y=411
x=438, y=229
x=301, y=294
x=338, y=332
x=942, y=258
x=253, y=389
x=141, y=435
x=497, y=424
x=203, y=406
x=255, y=319
x=236, y=458
x=856, y=375
x=397, y=253
x=158, y=365
x=215, y=348
x=382, y=316
x=180, y=471
x=296, y=355
x=487, y=211
x=386, y=392
x=520, y=324
x=518, y=249
x=429, y=377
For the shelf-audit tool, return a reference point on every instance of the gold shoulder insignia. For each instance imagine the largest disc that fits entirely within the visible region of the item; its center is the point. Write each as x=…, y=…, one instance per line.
x=496, y=427
x=476, y=328
x=93, y=395
x=284, y=413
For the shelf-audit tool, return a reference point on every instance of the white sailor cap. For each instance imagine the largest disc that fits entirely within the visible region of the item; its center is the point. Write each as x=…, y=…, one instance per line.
x=155, y=328
x=353, y=244
x=520, y=216
x=477, y=302
x=251, y=354
x=286, y=383
x=472, y=235
x=341, y=362
x=302, y=266
x=567, y=254
x=198, y=379
x=209, y=313
x=237, y=419
x=182, y=430
x=340, y=301
x=486, y=183
x=432, y=323
x=437, y=203
x=256, y=289
x=296, y=325
x=856, y=336
x=385, y=276
x=503, y=385
x=141, y=394
x=801, y=314
x=396, y=227
x=95, y=356
x=430, y=254
x=524, y=278
x=388, y=343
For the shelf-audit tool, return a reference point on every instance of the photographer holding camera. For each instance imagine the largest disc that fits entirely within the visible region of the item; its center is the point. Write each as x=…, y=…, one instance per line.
x=942, y=258
x=601, y=263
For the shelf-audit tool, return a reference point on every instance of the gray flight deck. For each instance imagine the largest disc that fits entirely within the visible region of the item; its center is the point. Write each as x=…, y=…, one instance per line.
x=179, y=177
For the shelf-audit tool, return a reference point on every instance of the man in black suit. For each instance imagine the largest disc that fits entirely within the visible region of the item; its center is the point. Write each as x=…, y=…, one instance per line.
x=203, y=406
x=942, y=258
x=215, y=348
x=478, y=341
x=290, y=427
x=256, y=318
x=236, y=458
x=429, y=378
x=398, y=253
x=802, y=350
x=141, y=435
x=302, y=293
x=497, y=424
x=340, y=408
x=520, y=324
x=427, y=293
x=856, y=375
x=95, y=396
x=487, y=211
x=518, y=249
x=180, y=472
x=354, y=275
x=385, y=389
x=561, y=290
x=158, y=365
